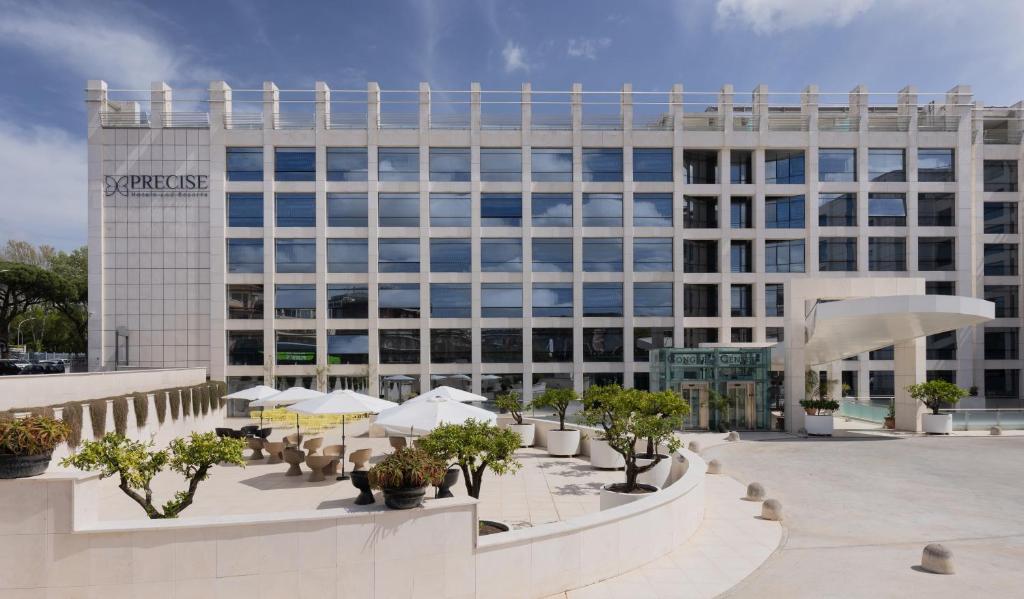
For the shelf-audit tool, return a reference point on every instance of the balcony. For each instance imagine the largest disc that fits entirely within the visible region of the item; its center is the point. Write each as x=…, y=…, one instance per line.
x=243, y=120
x=838, y=122
x=294, y=120
x=939, y=123
x=347, y=120
x=703, y=122
x=888, y=122
x=788, y=122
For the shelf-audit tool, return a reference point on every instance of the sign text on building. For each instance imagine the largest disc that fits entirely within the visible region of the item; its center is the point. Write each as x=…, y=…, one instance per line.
x=156, y=185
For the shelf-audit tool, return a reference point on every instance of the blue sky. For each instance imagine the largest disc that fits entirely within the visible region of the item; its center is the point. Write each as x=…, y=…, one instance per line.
x=48, y=50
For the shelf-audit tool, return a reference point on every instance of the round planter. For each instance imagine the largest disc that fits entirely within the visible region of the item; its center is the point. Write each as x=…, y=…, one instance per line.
x=563, y=443
x=610, y=498
x=526, y=432
x=937, y=424
x=23, y=466
x=603, y=456
x=450, y=478
x=890, y=423
x=818, y=425
x=657, y=476
x=404, y=499
x=492, y=527
x=361, y=481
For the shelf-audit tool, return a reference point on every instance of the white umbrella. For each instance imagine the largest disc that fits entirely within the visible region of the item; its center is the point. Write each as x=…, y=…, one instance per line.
x=450, y=393
x=288, y=397
x=421, y=417
x=254, y=394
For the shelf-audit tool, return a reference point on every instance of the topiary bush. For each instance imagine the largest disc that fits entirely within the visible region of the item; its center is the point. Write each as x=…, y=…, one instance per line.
x=160, y=402
x=72, y=416
x=120, y=415
x=140, y=401
x=98, y=416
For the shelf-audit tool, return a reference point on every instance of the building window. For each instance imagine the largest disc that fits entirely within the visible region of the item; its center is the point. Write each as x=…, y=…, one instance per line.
x=296, y=347
x=652, y=210
x=244, y=164
x=449, y=164
x=602, y=299
x=602, y=344
x=501, y=346
x=348, y=347
x=881, y=383
x=347, y=164
x=501, y=254
x=741, y=256
x=551, y=210
x=501, y=300
x=837, y=254
x=1000, y=217
x=552, y=299
x=887, y=210
x=552, y=255
x=1000, y=259
x=694, y=336
x=774, y=299
x=741, y=171
x=451, y=346
x=602, y=164
x=550, y=165
x=700, y=300
x=501, y=210
x=1002, y=343
x=602, y=254
x=646, y=339
x=784, y=212
x=501, y=164
x=450, y=210
x=741, y=299
x=348, y=301
x=347, y=210
x=837, y=209
x=245, y=210
x=1006, y=299
x=398, y=210
x=837, y=165
x=700, y=212
x=398, y=164
x=294, y=164
x=700, y=255
x=935, y=165
x=784, y=255
x=602, y=210
x=552, y=345
x=700, y=167
x=245, y=348
x=450, y=255
x=775, y=334
x=295, y=255
x=741, y=335
x=936, y=253
x=740, y=212
x=245, y=302
x=399, y=346
x=651, y=254
x=936, y=210
x=887, y=254
x=885, y=353
x=784, y=167
x=941, y=346
x=295, y=209
x=398, y=255
x=887, y=165
x=652, y=164
x=245, y=255
x=398, y=300
x=940, y=375
x=1001, y=175
x=652, y=299
x=1004, y=384
x=348, y=255
x=939, y=288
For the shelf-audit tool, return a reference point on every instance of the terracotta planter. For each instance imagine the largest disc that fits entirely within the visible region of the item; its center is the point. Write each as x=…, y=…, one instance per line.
x=526, y=432
x=890, y=423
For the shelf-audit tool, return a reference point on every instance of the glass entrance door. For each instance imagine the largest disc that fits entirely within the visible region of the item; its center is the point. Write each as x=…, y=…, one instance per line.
x=696, y=394
x=742, y=405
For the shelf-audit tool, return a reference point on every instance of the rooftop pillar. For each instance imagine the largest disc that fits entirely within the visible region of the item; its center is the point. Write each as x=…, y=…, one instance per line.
x=220, y=104
x=271, y=105
x=372, y=110
x=626, y=106
x=759, y=106
x=859, y=106
x=323, y=105
x=159, y=104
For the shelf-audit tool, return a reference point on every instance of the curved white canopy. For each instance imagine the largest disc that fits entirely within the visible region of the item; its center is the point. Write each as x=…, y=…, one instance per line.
x=840, y=329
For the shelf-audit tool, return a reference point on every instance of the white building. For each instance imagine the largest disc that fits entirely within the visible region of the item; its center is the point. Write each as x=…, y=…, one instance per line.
x=397, y=239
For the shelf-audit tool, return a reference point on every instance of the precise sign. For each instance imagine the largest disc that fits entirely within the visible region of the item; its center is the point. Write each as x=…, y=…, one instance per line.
x=140, y=186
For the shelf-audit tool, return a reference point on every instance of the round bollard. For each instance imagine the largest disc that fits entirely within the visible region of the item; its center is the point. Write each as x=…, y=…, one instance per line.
x=714, y=467
x=995, y=430
x=694, y=447
x=755, y=492
x=771, y=509
x=937, y=559
x=733, y=436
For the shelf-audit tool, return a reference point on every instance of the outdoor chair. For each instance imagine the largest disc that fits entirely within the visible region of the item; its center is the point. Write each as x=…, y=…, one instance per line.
x=249, y=430
x=359, y=458
x=397, y=442
x=336, y=452
x=274, y=450
x=317, y=465
x=223, y=432
x=294, y=457
x=263, y=433
x=293, y=440
x=313, y=445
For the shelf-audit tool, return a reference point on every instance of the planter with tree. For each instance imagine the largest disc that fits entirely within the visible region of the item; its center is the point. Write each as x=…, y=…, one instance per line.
x=510, y=402
x=890, y=417
x=665, y=406
x=936, y=394
x=561, y=441
x=27, y=444
x=818, y=404
x=404, y=476
x=601, y=453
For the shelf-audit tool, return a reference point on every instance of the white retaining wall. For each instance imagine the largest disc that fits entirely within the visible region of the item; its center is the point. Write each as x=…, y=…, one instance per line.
x=38, y=390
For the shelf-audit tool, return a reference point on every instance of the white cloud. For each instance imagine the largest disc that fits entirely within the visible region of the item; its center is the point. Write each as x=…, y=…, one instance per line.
x=771, y=16
x=587, y=48
x=515, y=57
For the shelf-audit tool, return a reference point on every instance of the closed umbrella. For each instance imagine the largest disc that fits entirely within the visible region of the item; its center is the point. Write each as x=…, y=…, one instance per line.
x=421, y=417
x=450, y=393
x=253, y=394
x=288, y=397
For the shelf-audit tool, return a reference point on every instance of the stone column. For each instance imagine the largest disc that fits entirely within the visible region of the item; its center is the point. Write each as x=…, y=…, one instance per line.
x=95, y=103
x=159, y=104
x=220, y=105
x=908, y=369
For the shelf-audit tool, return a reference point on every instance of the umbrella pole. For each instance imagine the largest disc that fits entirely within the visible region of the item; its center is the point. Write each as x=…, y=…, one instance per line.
x=343, y=475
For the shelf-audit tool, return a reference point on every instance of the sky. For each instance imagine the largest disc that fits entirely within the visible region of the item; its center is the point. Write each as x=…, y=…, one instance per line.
x=49, y=49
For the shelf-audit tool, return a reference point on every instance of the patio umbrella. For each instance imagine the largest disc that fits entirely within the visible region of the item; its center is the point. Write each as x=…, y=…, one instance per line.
x=342, y=402
x=254, y=394
x=423, y=416
x=287, y=397
x=450, y=393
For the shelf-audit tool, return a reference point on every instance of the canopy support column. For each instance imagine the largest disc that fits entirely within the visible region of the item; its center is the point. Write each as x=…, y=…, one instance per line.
x=908, y=369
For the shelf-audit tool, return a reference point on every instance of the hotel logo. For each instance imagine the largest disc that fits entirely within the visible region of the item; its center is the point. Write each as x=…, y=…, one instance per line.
x=156, y=185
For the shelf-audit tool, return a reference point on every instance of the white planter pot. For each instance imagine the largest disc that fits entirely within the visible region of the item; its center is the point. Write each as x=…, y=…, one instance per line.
x=657, y=476
x=610, y=499
x=603, y=456
x=565, y=443
x=938, y=424
x=526, y=433
x=818, y=425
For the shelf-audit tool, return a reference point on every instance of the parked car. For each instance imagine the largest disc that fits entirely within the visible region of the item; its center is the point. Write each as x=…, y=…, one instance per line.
x=53, y=366
x=9, y=367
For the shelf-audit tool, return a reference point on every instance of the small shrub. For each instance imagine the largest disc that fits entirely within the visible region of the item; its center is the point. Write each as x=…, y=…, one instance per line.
x=120, y=415
x=31, y=435
x=72, y=416
x=937, y=393
x=174, y=399
x=160, y=401
x=140, y=402
x=509, y=402
x=558, y=400
x=408, y=467
x=98, y=416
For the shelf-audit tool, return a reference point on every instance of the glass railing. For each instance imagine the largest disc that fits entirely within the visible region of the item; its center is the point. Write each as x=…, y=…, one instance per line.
x=976, y=419
x=873, y=409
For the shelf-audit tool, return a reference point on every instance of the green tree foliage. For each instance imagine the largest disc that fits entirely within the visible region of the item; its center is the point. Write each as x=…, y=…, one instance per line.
x=937, y=393
x=474, y=447
x=136, y=464
x=509, y=402
x=32, y=435
x=558, y=400
x=405, y=468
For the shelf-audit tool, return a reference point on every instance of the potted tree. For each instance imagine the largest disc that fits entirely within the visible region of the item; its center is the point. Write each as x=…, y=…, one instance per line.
x=665, y=407
x=890, y=417
x=404, y=475
x=510, y=401
x=934, y=395
x=562, y=441
x=627, y=417
x=27, y=444
x=818, y=405
x=601, y=453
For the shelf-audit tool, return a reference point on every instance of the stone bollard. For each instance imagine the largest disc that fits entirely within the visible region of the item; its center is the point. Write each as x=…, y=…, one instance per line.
x=937, y=559
x=995, y=430
x=733, y=436
x=694, y=447
x=714, y=467
x=755, y=492
x=771, y=509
